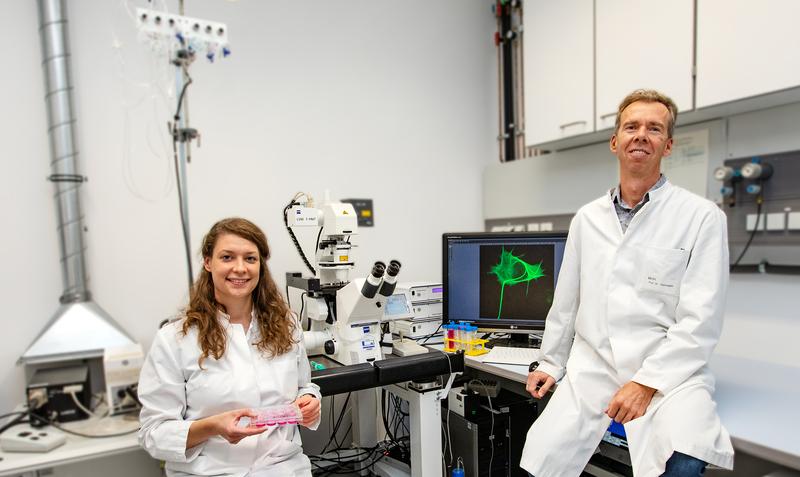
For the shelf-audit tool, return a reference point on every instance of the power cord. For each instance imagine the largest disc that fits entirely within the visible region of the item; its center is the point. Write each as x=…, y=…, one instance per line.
x=83, y=408
x=425, y=340
x=297, y=246
x=338, y=422
x=386, y=422
x=133, y=392
x=80, y=434
x=449, y=441
x=20, y=415
x=759, y=202
x=399, y=422
x=491, y=414
x=340, y=463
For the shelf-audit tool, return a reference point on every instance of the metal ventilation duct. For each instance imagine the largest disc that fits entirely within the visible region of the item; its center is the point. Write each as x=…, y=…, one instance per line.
x=79, y=328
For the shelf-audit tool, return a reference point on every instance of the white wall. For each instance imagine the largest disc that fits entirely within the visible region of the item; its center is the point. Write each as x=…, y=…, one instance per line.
x=562, y=182
x=761, y=318
x=394, y=101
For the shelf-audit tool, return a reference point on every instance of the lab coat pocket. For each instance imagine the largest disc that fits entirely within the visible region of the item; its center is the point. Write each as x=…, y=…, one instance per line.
x=209, y=389
x=662, y=269
x=282, y=371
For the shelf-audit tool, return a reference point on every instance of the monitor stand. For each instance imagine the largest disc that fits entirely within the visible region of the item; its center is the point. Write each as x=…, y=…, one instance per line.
x=515, y=340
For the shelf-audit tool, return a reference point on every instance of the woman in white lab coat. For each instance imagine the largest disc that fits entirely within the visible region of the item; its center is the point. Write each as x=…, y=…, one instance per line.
x=236, y=348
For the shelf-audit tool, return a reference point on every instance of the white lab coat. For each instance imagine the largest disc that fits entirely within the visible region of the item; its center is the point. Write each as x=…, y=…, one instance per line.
x=646, y=306
x=174, y=392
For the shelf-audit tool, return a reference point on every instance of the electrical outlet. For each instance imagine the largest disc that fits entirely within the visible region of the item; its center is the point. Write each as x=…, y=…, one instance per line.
x=751, y=222
x=776, y=221
x=204, y=36
x=794, y=221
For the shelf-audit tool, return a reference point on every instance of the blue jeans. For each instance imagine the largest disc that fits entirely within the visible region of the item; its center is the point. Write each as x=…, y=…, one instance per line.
x=681, y=465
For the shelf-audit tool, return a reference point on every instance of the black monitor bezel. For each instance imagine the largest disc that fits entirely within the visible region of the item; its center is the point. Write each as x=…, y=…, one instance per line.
x=499, y=325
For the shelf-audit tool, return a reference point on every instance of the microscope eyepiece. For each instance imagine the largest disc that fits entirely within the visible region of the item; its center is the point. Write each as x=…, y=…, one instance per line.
x=394, y=268
x=373, y=281
x=378, y=269
x=390, y=279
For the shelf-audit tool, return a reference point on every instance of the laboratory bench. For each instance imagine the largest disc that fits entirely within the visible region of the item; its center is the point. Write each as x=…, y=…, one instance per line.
x=756, y=401
x=77, y=449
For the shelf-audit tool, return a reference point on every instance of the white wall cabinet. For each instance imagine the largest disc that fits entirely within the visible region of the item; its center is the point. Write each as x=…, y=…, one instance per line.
x=746, y=48
x=558, y=67
x=583, y=56
x=642, y=44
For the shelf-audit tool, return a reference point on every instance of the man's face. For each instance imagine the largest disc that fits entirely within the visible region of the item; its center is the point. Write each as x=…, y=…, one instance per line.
x=642, y=138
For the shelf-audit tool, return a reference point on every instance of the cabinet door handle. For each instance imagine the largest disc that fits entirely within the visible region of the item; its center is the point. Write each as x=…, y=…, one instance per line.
x=573, y=123
x=608, y=115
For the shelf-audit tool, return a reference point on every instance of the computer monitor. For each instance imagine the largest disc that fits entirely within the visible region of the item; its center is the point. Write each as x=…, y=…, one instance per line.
x=501, y=281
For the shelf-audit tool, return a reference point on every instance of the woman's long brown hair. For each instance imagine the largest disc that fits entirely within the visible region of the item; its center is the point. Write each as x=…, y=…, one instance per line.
x=272, y=315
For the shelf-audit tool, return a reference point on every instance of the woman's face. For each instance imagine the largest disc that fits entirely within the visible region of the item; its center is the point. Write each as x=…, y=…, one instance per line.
x=234, y=268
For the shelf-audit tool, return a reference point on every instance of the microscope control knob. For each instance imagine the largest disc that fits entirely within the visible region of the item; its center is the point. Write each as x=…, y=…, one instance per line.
x=330, y=347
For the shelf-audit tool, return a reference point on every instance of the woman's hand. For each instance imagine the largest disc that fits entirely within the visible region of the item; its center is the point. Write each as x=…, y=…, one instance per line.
x=309, y=406
x=225, y=425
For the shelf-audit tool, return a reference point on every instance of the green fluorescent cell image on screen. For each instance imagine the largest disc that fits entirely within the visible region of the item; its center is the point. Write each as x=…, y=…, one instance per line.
x=516, y=283
x=512, y=270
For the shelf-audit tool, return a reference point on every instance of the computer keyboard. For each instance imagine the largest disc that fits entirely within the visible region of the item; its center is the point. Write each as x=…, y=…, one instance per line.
x=518, y=356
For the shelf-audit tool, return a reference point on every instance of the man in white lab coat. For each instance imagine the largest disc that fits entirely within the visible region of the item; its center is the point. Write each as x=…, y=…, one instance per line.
x=636, y=315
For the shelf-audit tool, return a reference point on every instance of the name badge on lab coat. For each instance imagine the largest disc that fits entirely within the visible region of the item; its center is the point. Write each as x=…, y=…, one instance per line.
x=662, y=269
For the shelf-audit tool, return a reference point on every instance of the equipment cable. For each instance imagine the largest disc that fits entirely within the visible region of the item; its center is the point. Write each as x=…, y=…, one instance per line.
x=319, y=235
x=302, y=308
x=386, y=423
x=398, y=422
x=425, y=340
x=297, y=246
x=20, y=415
x=175, y=134
x=338, y=424
x=449, y=441
x=491, y=414
x=759, y=202
x=82, y=407
x=80, y=434
x=340, y=462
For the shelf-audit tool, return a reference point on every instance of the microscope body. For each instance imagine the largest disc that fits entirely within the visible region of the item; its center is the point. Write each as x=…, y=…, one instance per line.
x=343, y=317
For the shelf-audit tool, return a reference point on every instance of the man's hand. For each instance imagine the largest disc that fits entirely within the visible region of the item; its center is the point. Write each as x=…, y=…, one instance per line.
x=629, y=402
x=309, y=406
x=539, y=383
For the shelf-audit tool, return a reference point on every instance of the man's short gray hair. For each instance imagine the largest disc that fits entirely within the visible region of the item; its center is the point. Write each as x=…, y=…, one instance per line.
x=649, y=96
